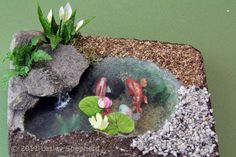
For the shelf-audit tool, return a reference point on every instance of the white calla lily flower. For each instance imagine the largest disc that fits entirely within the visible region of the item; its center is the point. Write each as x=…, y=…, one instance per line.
x=61, y=13
x=79, y=24
x=66, y=12
x=49, y=17
x=99, y=122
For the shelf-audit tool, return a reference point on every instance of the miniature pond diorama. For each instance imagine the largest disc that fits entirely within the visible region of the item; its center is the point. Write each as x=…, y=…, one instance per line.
x=74, y=95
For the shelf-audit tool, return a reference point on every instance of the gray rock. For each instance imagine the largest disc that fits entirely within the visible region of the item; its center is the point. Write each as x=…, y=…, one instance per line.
x=68, y=65
x=23, y=37
x=61, y=74
x=43, y=82
x=19, y=101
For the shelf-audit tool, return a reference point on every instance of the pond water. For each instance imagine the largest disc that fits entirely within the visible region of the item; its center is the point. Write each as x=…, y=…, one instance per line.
x=47, y=119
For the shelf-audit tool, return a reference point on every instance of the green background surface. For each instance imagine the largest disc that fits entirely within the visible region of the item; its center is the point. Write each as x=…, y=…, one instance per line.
x=208, y=25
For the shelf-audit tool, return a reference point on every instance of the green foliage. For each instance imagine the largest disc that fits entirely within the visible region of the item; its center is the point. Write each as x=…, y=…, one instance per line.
x=119, y=123
x=54, y=40
x=40, y=55
x=23, y=58
x=68, y=126
x=89, y=105
x=63, y=32
x=37, y=39
x=44, y=22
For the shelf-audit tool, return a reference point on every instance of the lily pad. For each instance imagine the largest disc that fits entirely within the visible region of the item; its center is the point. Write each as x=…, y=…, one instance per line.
x=119, y=123
x=89, y=105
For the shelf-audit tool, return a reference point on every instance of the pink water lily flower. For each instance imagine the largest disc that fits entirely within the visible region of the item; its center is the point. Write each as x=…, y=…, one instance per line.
x=104, y=102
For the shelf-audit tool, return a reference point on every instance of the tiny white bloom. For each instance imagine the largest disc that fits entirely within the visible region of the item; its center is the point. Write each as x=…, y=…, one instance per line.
x=79, y=24
x=61, y=13
x=67, y=11
x=49, y=17
x=99, y=122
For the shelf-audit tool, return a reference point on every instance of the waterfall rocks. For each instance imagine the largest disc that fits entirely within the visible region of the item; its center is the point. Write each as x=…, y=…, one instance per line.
x=46, y=79
x=61, y=74
x=19, y=101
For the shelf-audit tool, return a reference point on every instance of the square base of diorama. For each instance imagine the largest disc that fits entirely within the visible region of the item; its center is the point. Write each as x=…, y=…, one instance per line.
x=184, y=61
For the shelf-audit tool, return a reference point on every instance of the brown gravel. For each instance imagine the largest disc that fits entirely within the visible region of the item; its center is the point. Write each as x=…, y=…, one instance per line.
x=184, y=61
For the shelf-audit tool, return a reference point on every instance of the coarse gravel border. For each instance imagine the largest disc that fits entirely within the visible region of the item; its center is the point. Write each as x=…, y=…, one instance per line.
x=188, y=131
